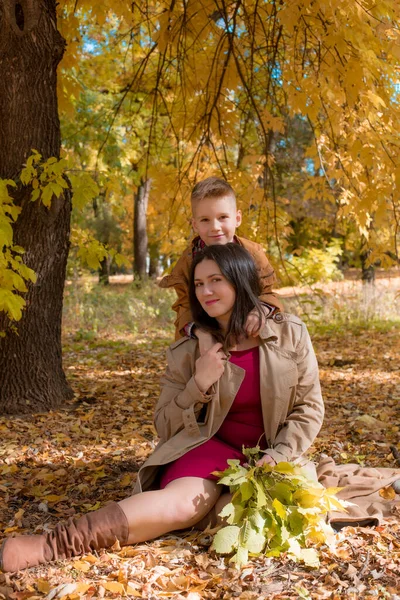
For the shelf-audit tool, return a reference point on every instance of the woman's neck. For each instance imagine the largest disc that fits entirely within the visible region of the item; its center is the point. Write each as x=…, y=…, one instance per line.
x=246, y=344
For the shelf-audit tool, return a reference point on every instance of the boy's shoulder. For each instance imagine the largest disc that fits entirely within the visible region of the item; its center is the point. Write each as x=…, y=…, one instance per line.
x=254, y=248
x=181, y=269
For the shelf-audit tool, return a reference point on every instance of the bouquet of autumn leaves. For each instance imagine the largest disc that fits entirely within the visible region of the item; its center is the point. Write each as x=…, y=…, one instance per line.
x=274, y=509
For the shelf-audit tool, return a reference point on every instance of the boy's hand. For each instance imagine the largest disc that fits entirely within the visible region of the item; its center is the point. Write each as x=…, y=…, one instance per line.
x=253, y=323
x=266, y=460
x=206, y=341
x=210, y=367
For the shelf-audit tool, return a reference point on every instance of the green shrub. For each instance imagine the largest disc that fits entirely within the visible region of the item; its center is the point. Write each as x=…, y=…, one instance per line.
x=316, y=265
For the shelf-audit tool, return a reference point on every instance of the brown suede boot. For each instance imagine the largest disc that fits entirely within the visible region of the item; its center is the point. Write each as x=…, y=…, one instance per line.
x=99, y=529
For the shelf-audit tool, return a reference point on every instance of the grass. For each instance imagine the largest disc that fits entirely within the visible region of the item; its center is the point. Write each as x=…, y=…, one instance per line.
x=348, y=305
x=120, y=311
x=92, y=311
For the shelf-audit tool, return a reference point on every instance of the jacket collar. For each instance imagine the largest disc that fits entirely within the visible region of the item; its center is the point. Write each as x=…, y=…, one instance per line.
x=267, y=332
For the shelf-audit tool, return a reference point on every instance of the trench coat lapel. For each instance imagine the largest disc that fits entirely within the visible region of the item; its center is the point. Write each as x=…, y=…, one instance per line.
x=229, y=385
x=278, y=374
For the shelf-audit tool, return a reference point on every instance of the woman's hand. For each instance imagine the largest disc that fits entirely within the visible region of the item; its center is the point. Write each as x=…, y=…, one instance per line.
x=210, y=367
x=266, y=460
x=206, y=340
x=253, y=323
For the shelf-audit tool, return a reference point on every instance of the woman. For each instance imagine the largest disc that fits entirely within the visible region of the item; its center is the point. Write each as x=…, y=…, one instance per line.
x=241, y=392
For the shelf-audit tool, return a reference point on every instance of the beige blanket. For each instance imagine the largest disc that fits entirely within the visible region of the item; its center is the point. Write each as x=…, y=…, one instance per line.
x=361, y=486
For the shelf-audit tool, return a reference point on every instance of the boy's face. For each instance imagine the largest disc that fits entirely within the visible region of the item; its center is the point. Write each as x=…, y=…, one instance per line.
x=215, y=220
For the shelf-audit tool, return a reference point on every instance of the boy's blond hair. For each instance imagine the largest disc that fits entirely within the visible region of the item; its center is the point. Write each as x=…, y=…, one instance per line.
x=212, y=187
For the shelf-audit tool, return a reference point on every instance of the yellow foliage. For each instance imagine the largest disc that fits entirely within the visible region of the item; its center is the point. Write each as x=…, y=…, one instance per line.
x=215, y=87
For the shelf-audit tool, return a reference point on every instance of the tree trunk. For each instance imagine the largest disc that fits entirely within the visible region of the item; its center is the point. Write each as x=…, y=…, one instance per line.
x=31, y=374
x=367, y=272
x=155, y=268
x=140, y=242
x=104, y=271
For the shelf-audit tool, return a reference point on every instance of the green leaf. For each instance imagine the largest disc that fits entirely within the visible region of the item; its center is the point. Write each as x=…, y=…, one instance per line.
x=84, y=189
x=4, y=195
x=233, y=513
x=261, y=497
x=56, y=189
x=255, y=541
x=295, y=521
x=246, y=490
x=274, y=510
x=35, y=194
x=28, y=173
x=27, y=272
x=12, y=304
x=6, y=233
x=47, y=194
x=241, y=557
x=310, y=557
x=285, y=467
x=226, y=539
x=283, y=492
x=256, y=519
x=279, y=508
x=18, y=283
x=120, y=260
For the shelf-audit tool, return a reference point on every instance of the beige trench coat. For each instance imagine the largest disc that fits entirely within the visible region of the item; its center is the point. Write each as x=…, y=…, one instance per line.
x=291, y=398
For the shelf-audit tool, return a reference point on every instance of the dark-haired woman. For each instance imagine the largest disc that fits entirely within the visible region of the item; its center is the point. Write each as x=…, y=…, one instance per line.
x=243, y=391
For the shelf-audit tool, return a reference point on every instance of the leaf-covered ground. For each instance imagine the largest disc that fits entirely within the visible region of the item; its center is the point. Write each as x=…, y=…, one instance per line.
x=76, y=459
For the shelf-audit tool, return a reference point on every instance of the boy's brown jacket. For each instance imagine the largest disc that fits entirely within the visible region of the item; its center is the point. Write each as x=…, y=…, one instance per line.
x=291, y=398
x=179, y=279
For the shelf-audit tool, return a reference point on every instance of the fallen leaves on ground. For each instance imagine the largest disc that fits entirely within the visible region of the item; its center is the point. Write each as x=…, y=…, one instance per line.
x=70, y=461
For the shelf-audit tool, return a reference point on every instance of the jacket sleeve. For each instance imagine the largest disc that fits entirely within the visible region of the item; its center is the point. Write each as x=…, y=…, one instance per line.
x=182, y=308
x=304, y=420
x=267, y=277
x=180, y=402
x=179, y=280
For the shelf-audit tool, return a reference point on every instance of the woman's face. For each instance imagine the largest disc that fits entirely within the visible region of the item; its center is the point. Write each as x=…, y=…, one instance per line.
x=214, y=292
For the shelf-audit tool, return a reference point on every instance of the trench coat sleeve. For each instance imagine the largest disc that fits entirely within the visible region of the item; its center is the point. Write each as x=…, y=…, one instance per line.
x=179, y=280
x=304, y=420
x=180, y=402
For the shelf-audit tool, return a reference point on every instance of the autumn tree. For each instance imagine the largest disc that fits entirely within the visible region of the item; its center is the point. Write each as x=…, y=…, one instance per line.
x=227, y=80
x=219, y=84
x=31, y=374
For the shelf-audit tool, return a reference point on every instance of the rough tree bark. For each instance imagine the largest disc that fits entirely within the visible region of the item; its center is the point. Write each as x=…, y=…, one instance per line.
x=140, y=241
x=31, y=374
x=367, y=271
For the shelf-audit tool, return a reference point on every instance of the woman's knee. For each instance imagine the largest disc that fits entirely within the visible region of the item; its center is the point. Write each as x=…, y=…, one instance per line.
x=187, y=506
x=212, y=518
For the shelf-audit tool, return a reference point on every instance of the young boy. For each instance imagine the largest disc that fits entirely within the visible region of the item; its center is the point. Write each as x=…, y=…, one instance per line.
x=215, y=219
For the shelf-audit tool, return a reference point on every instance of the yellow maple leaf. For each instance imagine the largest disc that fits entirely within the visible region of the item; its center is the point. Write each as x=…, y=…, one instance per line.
x=387, y=493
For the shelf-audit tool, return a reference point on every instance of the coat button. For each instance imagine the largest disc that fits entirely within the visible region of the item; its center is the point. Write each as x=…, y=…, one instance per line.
x=278, y=317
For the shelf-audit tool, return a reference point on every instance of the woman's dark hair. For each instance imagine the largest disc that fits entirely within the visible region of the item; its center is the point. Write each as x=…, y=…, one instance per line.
x=237, y=265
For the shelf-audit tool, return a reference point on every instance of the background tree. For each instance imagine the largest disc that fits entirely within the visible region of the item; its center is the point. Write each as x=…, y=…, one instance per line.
x=31, y=375
x=184, y=90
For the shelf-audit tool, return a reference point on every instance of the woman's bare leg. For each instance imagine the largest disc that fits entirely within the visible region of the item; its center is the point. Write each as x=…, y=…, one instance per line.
x=212, y=518
x=181, y=504
x=138, y=518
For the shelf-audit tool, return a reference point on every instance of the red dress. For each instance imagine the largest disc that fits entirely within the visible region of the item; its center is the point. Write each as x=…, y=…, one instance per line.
x=243, y=426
